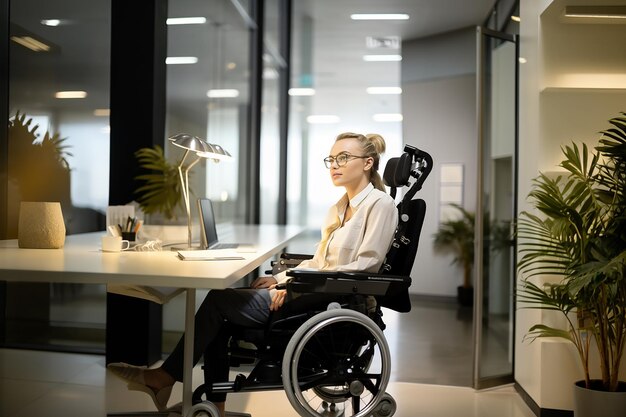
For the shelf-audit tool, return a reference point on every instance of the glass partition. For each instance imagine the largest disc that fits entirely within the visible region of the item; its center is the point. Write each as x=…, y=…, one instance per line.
x=59, y=85
x=273, y=65
x=495, y=260
x=58, y=150
x=208, y=93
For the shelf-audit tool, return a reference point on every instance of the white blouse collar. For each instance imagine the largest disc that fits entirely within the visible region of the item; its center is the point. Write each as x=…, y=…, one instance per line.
x=358, y=199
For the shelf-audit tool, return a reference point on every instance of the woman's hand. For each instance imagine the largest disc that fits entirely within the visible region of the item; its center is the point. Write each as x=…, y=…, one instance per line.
x=263, y=282
x=278, y=299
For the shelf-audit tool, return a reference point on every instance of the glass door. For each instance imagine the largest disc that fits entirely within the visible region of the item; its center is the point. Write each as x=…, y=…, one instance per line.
x=495, y=252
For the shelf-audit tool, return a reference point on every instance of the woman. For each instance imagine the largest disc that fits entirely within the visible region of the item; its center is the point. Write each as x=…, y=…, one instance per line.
x=356, y=236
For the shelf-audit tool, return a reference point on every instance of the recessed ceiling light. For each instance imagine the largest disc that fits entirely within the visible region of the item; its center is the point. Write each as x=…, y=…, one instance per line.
x=186, y=20
x=383, y=90
x=223, y=93
x=181, y=60
x=301, y=91
x=516, y=18
x=322, y=119
x=70, y=94
x=102, y=112
x=382, y=58
x=522, y=60
x=379, y=16
x=387, y=117
x=50, y=22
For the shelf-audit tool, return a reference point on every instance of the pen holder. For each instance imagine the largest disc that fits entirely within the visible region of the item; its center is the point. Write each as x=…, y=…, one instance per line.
x=130, y=236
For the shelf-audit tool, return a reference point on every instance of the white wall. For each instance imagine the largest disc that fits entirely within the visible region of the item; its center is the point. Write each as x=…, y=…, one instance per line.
x=438, y=104
x=439, y=117
x=564, y=97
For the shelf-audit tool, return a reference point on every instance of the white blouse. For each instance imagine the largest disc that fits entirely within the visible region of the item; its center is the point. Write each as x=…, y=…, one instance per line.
x=362, y=242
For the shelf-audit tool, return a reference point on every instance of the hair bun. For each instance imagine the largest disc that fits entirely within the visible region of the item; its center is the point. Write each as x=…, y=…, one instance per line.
x=377, y=141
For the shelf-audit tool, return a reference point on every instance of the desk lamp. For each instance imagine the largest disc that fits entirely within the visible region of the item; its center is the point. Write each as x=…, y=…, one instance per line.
x=201, y=149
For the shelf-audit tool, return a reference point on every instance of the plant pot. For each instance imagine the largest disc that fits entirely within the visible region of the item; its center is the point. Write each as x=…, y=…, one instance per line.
x=597, y=403
x=465, y=296
x=41, y=225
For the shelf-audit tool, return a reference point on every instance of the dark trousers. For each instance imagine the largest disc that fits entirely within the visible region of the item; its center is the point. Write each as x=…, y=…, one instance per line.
x=240, y=307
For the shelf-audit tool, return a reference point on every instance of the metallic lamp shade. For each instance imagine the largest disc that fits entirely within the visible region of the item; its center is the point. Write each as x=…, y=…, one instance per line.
x=189, y=142
x=216, y=152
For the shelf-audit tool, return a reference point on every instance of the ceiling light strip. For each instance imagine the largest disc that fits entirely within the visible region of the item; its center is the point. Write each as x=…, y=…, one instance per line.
x=181, y=60
x=387, y=117
x=301, y=91
x=70, y=94
x=322, y=119
x=598, y=12
x=223, y=93
x=50, y=22
x=186, y=21
x=30, y=43
x=382, y=58
x=383, y=90
x=379, y=16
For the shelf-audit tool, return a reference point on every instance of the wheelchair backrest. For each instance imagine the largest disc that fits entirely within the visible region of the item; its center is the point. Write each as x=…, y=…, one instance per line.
x=417, y=164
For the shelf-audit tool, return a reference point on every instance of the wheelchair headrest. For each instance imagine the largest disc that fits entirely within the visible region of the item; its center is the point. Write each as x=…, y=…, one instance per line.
x=398, y=171
x=412, y=163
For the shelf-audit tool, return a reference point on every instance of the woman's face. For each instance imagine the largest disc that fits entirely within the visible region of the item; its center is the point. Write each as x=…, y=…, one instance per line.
x=356, y=170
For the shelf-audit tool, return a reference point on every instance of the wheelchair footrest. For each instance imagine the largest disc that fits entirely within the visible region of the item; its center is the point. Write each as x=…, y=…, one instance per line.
x=236, y=414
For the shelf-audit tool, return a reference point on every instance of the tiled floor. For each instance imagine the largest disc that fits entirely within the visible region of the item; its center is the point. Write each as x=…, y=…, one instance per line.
x=436, y=336
x=66, y=385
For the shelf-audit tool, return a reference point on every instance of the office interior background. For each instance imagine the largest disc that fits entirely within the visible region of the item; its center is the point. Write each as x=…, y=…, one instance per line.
x=490, y=88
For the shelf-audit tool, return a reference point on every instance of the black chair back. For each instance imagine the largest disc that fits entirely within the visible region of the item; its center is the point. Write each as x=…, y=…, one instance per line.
x=413, y=163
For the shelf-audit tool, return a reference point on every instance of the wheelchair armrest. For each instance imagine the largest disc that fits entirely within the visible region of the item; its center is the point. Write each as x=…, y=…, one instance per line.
x=300, y=256
x=336, y=282
x=286, y=261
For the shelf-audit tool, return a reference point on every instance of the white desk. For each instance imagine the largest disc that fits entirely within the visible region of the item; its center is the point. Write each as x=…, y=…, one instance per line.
x=81, y=261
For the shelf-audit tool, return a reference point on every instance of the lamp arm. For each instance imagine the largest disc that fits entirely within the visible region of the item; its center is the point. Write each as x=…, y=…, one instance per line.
x=188, y=207
x=183, y=174
x=194, y=162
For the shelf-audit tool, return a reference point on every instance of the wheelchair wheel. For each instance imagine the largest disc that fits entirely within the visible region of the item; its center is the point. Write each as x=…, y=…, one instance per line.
x=336, y=364
x=203, y=409
x=386, y=407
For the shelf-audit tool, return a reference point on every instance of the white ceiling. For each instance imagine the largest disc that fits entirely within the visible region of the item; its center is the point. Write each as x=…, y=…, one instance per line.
x=338, y=42
x=337, y=70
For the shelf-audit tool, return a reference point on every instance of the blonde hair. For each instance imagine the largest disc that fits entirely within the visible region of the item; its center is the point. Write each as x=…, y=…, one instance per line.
x=373, y=146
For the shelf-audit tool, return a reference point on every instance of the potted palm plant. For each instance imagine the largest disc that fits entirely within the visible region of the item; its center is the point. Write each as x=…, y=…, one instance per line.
x=457, y=236
x=580, y=236
x=160, y=189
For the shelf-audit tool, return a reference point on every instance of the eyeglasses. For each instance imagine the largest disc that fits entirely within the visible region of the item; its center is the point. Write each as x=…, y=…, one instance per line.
x=341, y=159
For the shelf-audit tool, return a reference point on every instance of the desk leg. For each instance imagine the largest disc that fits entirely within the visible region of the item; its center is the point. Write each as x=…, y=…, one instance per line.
x=190, y=311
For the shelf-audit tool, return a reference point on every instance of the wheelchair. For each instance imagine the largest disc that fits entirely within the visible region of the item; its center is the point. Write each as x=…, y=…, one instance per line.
x=325, y=347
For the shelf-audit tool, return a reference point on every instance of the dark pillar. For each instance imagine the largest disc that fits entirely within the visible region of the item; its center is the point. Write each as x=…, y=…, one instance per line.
x=253, y=198
x=138, y=51
x=4, y=116
x=285, y=81
x=4, y=144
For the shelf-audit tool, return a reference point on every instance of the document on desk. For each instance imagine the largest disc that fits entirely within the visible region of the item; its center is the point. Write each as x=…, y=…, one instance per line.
x=159, y=295
x=208, y=255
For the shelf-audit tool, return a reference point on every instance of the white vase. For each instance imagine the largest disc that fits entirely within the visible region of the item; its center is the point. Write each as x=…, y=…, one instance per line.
x=41, y=225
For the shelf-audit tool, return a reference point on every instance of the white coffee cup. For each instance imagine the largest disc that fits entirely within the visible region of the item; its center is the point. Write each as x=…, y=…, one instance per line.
x=114, y=244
